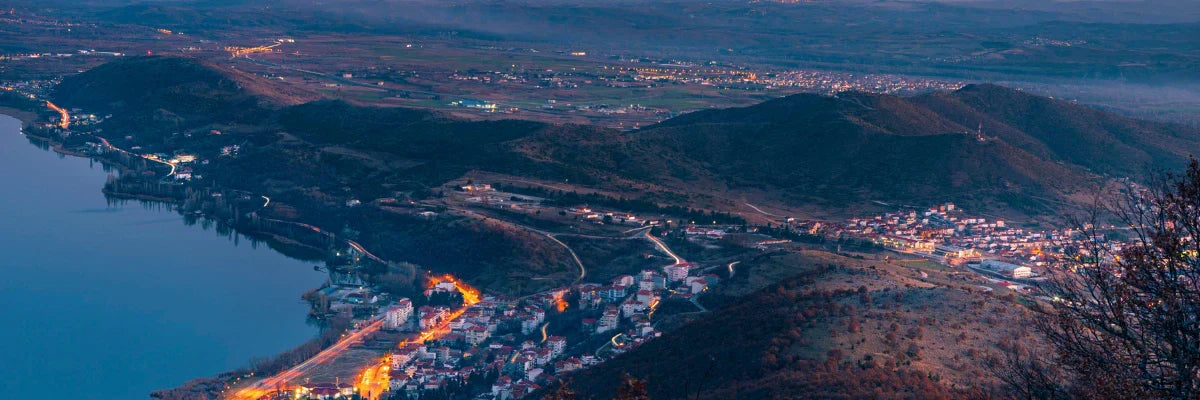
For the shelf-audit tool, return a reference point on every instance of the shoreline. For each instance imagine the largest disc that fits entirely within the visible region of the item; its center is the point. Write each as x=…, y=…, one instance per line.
x=26, y=117
x=58, y=148
x=273, y=240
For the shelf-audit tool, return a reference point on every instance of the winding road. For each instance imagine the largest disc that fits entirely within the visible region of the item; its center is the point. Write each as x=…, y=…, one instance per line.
x=582, y=269
x=663, y=247
x=760, y=211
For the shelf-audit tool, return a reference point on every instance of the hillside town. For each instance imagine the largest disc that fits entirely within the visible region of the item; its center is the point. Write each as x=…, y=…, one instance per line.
x=499, y=347
x=949, y=235
x=456, y=339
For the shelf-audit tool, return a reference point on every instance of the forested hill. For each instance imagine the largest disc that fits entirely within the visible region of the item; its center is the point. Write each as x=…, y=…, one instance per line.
x=982, y=143
x=985, y=145
x=157, y=96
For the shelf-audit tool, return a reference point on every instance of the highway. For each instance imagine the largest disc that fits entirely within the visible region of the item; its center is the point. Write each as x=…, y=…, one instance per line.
x=375, y=379
x=282, y=379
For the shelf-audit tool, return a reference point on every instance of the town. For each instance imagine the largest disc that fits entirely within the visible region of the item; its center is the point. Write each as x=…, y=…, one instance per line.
x=459, y=341
x=462, y=341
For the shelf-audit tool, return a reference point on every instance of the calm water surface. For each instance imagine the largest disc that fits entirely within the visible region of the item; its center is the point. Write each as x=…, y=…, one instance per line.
x=102, y=301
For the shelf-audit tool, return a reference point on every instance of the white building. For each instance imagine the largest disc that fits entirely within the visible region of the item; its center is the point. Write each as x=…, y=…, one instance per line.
x=397, y=315
x=677, y=272
x=1010, y=270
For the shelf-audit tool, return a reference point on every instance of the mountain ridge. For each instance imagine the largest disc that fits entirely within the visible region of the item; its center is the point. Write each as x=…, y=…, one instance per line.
x=837, y=152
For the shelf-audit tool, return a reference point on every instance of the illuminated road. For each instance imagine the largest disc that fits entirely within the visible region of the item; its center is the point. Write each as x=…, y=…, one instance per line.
x=582, y=270
x=374, y=380
x=363, y=250
x=109, y=146
x=244, y=51
x=169, y=174
x=663, y=247
x=65, y=118
x=731, y=271
x=282, y=379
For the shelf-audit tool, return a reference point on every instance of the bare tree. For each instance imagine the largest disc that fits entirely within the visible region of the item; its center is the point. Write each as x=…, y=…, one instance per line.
x=1126, y=323
x=562, y=392
x=631, y=389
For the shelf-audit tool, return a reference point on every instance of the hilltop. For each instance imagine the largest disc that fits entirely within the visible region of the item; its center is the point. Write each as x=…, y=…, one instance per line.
x=1057, y=130
x=169, y=94
x=985, y=146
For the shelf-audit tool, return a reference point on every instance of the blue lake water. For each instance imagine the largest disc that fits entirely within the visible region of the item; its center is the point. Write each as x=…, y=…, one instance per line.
x=101, y=301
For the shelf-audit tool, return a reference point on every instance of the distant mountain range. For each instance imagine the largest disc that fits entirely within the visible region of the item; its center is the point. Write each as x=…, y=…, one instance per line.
x=983, y=144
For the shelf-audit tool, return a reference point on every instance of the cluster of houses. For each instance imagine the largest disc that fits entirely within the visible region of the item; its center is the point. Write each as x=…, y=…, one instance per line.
x=612, y=216
x=697, y=231
x=324, y=391
x=78, y=118
x=946, y=231
x=495, y=341
x=476, y=104
x=461, y=347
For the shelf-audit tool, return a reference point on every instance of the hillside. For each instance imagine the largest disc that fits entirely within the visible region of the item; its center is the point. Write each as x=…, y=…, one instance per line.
x=853, y=148
x=156, y=95
x=310, y=158
x=986, y=146
x=837, y=328
x=1062, y=131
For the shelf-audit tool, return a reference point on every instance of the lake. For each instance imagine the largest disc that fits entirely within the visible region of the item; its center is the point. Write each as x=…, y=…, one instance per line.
x=103, y=301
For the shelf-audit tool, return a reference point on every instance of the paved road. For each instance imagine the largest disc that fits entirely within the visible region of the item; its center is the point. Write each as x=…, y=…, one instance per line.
x=64, y=117
x=111, y=147
x=582, y=269
x=282, y=379
x=760, y=211
x=663, y=247
x=348, y=242
x=696, y=301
